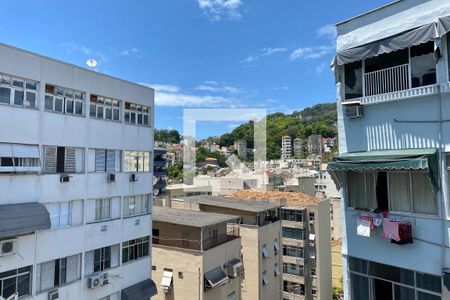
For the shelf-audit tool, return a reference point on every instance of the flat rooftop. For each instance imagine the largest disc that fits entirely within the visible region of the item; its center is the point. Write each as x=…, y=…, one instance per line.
x=233, y=203
x=189, y=217
x=288, y=199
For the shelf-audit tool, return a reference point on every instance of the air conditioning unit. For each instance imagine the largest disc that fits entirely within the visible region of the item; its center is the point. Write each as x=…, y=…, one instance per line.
x=235, y=268
x=64, y=178
x=354, y=111
x=98, y=281
x=133, y=178
x=111, y=177
x=53, y=295
x=7, y=247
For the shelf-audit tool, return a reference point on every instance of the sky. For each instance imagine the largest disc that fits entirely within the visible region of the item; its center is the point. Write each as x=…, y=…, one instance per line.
x=268, y=54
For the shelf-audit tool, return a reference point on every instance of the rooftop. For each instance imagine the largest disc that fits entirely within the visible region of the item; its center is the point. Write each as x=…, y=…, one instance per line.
x=189, y=217
x=233, y=203
x=291, y=199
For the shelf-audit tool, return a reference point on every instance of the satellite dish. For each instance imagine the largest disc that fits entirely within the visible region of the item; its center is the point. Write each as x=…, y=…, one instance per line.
x=91, y=63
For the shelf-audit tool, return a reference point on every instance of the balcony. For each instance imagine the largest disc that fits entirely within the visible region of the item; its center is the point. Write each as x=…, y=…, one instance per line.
x=399, y=75
x=197, y=245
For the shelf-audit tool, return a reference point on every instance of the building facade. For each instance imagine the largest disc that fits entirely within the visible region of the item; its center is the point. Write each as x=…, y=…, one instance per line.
x=241, y=147
x=75, y=163
x=299, y=147
x=260, y=231
x=315, y=144
x=392, y=79
x=286, y=147
x=196, y=255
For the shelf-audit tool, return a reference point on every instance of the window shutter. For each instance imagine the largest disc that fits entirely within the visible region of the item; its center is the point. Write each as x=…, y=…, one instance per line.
x=110, y=161
x=73, y=266
x=69, y=162
x=100, y=160
x=50, y=159
x=25, y=151
x=89, y=263
x=47, y=275
x=115, y=256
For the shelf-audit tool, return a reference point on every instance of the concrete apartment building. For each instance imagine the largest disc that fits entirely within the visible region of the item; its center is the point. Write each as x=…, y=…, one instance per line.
x=225, y=185
x=260, y=231
x=75, y=167
x=196, y=255
x=392, y=80
x=306, y=247
x=299, y=147
x=314, y=144
x=241, y=147
x=286, y=147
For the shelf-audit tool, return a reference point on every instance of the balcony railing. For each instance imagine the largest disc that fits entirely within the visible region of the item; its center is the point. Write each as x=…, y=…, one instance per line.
x=197, y=245
x=387, y=80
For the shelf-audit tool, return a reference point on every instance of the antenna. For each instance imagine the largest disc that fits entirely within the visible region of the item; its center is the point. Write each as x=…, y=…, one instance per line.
x=91, y=63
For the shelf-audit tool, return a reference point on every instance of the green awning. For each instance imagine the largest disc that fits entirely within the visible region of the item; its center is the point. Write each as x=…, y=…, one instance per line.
x=387, y=160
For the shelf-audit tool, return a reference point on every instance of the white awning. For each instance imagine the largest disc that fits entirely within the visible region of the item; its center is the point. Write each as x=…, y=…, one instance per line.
x=166, y=281
x=276, y=246
x=265, y=252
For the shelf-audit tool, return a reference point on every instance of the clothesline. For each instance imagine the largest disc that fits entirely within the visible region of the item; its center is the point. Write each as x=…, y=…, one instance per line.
x=370, y=216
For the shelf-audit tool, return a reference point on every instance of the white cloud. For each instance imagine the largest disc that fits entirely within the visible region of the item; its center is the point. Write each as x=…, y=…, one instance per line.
x=170, y=95
x=327, y=31
x=263, y=52
x=216, y=10
x=215, y=87
x=311, y=52
x=132, y=51
x=320, y=68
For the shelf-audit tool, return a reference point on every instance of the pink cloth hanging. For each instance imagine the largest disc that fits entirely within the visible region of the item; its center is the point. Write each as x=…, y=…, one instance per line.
x=390, y=230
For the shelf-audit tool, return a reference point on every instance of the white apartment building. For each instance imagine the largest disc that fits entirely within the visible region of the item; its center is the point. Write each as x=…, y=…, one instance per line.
x=75, y=181
x=286, y=147
x=392, y=78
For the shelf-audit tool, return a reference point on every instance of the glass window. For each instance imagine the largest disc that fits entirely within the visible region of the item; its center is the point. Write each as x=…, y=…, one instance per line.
x=423, y=65
x=359, y=287
x=387, y=60
x=49, y=102
x=5, y=94
x=135, y=249
x=293, y=233
x=358, y=265
x=399, y=191
x=58, y=104
x=17, y=280
x=426, y=296
x=30, y=99
x=429, y=282
x=392, y=273
x=18, y=97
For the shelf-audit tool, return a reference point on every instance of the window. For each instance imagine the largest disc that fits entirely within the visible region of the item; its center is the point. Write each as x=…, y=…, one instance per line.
x=394, y=191
x=313, y=272
x=59, y=214
x=293, y=269
x=63, y=159
x=387, y=282
x=18, y=280
x=293, y=233
x=107, y=160
x=423, y=65
x=136, y=205
x=101, y=259
x=265, y=278
x=17, y=91
x=353, y=80
x=63, y=100
x=17, y=158
x=311, y=216
x=137, y=114
x=292, y=215
x=135, y=249
x=136, y=161
x=265, y=252
x=104, y=108
x=293, y=251
x=313, y=291
x=297, y=288
x=276, y=247
x=58, y=272
x=276, y=270
x=102, y=209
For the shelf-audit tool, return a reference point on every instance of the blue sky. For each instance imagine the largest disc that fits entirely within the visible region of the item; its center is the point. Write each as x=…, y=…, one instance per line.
x=196, y=53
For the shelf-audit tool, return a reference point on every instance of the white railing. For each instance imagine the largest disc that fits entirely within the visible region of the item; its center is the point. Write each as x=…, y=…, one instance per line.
x=387, y=80
x=406, y=94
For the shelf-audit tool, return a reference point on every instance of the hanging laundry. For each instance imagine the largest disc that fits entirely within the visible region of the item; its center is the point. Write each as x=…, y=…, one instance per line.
x=405, y=233
x=377, y=222
x=390, y=230
x=363, y=227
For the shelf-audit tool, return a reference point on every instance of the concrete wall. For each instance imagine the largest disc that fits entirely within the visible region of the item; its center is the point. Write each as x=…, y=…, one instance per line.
x=38, y=127
x=323, y=250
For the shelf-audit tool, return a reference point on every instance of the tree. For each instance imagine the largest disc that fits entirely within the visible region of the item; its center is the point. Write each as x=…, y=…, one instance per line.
x=167, y=136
